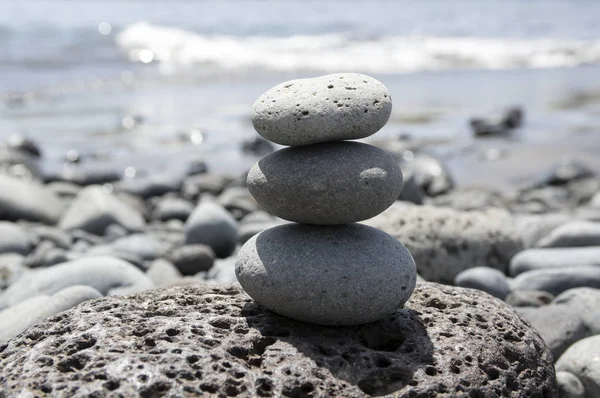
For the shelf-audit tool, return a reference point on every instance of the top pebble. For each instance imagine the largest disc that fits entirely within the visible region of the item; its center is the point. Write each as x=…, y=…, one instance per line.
x=342, y=106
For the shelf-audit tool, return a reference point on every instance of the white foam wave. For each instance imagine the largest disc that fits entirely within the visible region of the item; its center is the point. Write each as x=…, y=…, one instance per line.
x=177, y=50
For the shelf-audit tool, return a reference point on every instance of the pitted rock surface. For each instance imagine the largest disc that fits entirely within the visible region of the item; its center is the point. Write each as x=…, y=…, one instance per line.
x=445, y=242
x=205, y=339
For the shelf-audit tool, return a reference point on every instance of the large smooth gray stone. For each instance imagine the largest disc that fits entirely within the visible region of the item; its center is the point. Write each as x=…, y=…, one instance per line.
x=342, y=106
x=14, y=239
x=569, y=386
x=334, y=275
x=19, y=317
x=326, y=184
x=29, y=201
x=584, y=301
x=573, y=234
x=533, y=227
x=210, y=224
x=538, y=259
x=93, y=210
x=557, y=280
x=108, y=275
x=488, y=279
x=445, y=242
x=582, y=359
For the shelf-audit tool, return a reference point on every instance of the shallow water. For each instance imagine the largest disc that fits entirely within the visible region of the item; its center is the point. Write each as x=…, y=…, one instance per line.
x=132, y=81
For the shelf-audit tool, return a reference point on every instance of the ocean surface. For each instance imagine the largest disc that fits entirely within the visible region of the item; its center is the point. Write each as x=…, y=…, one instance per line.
x=156, y=84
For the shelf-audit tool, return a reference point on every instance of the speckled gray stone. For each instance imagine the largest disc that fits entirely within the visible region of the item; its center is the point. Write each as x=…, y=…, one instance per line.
x=582, y=360
x=329, y=275
x=326, y=184
x=558, y=280
x=537, y=259
x=342, y=106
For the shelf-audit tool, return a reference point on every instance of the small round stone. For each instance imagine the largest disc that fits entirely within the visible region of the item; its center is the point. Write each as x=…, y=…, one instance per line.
x=326, y=184
x=342, y=106
x=328, y=275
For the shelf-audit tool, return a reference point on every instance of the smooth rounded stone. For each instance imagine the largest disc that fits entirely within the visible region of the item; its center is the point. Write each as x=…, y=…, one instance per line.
x=533, y=227
x=19, y=317
x=238, y=201
x=585, y=302
x=172, y=208
x=326, y=184
x=558, y=325
x=430, y=173
x=108, y=275
x=210, y=224
x=587, y=213
x=210, y=183
x=248, y=230
x=28, y=201
x=146, y=245
x=329, y=275
x=214, y=340
x=19, y=164
x=114, y=232
x=528, y=298
x=569, y=386
x=595, y=200
x=342, y=106
x=548, y=258
x=411, y=191
x=93, y=210
x=445, y=242
x=191, y=259
x=223, y=271
x=489, y=280
x=467, y=199
x=64, y=190
x=11, y=268
x=60, y=238
x=582, y=360
x=23, y=144
x=86, y=176
x=155, y=185
x=15, y=239
x=37, y=258
x=163, y=272
x=573, y=234
x=557, y=280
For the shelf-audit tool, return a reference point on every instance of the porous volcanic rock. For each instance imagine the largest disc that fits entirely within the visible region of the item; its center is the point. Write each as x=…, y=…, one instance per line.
x=186, y=341
x=445, y=242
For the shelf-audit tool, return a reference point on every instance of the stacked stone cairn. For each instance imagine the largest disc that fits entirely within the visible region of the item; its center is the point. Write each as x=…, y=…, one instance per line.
x=324, y=268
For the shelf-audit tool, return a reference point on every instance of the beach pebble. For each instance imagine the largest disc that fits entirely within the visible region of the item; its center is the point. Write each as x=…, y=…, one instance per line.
x=584, y=301
x=330, y=275
x=582, y=360
x=28, y=201
x=528, y=298
x=343, y=106
x=489, y=280
x=238, y=201
x=326, y=184
x=559, y=325
x=14, y=239
x=547, y=258
x=557, y=280
x=172, y=208
x=430, y=174
x=211, y=183
x=94, y=209
x=108, y=275
x=223, y=271
x=147, y=187
x=163, y=272
x=569, y=386
x=191, y=259
x=210, y=224
x=573, y=234
x=595, y=200
x=11, y=268
x=55, y=235
x=64, y=190
x=19, y=317
x=172, y=340
x=146, y=245
x=85, y=176
x=445, y=242
x=533, y=227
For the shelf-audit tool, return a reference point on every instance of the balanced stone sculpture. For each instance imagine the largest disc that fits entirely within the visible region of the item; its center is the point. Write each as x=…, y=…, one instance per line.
x=325, y=268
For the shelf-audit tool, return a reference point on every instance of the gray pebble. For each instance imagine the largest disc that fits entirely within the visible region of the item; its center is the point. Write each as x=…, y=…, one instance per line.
x=94, y=209
x=191, y=259
x=19, y=317
x=238, y=201
x=533, y=227
x=155, y=185
x=172, y=208
x=210, y=224
x=582, y=360
x=538, y=259
x=326, y=184
x=14, y=239
x=585, y=302
x=11, y=268
x=163, y=272
x=55, y=235
x=146, y=245
x=489, y=280
x=528, y=298
x=29, y=201
x=330, y=275
x=108, y=275
x=573, y=234
x=569, y=386
x=557, y=280
x=343, y=106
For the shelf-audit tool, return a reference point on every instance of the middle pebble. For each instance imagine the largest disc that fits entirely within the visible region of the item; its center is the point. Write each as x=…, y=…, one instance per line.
x=326, y=184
